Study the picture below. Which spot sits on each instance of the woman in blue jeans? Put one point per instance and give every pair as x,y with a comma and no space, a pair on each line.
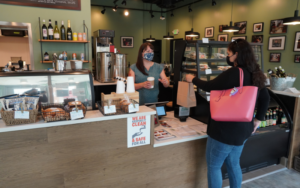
226,140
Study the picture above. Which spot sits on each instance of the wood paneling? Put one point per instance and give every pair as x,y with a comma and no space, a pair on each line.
96,155
295,135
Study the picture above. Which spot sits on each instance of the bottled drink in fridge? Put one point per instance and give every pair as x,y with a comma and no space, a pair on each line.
69,31
267,120
62,31
56,32
264,122
283,119
44,30
274,118
50,31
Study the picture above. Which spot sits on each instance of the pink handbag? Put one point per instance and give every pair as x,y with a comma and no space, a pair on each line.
234,105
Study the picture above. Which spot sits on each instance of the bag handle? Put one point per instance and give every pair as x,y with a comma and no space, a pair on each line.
241,77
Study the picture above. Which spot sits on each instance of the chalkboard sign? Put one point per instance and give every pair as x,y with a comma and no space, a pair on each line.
60,4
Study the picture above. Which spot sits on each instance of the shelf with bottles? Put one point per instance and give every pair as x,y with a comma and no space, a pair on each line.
71,41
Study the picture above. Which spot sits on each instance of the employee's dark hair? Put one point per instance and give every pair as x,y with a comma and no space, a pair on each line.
245,58
139,62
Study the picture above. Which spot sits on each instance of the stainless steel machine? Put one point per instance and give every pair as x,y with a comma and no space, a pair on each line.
105,67
120,69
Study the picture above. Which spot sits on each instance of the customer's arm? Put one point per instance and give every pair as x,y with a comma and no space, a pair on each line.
163,79
225,80
262,104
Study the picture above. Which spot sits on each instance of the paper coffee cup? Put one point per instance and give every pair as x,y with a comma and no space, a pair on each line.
130,85
151,80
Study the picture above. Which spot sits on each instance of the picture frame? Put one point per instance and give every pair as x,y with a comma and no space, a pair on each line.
275,57
297,42
297,58
277,43
221,28
277,27
258,27
257,38
223,37
127,42
235,38
209,32
243,27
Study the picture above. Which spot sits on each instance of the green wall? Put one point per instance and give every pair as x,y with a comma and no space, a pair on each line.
15,13
252,11
137,24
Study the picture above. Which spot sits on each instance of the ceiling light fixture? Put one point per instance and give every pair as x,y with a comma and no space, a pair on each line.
213,3
168,37
292,20
103,11
126,13
190,9
150,39
124,2
161,16
191,33
115,8
151,13
231,28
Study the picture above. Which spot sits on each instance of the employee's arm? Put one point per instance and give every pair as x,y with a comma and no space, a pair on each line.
163,79
138,86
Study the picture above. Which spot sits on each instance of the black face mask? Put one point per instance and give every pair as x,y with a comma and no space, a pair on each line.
229,62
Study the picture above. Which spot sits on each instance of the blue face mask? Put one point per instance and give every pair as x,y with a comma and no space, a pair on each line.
148,56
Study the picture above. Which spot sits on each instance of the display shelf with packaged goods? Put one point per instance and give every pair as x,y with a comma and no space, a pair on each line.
268,144
85,43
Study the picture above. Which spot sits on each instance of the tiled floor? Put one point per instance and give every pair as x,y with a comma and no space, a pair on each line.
276,176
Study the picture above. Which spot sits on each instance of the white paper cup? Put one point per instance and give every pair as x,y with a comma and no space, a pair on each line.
151,80
130,85
120,87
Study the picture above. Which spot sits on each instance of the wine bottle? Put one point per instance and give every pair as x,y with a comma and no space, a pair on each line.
44,29
50,31
283,73
271,73
267,120
274,118
56,32
69,31
283,119
62,31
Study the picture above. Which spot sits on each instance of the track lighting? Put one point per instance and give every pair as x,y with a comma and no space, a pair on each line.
172,15
124,2
190,9
103,11
213,3
115,8
126,13
162,18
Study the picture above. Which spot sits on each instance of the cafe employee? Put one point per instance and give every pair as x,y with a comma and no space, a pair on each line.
144,71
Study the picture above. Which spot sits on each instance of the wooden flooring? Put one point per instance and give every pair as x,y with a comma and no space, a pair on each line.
95,155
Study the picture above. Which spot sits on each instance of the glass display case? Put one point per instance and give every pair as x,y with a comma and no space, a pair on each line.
51,87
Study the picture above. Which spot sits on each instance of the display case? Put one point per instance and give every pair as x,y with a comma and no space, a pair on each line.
51,87
206,61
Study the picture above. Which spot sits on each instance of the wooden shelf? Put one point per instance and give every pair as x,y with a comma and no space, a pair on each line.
66,41
66,60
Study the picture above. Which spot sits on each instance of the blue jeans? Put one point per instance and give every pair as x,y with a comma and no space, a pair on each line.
218,152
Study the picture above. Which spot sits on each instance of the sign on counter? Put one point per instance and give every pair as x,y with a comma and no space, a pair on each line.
20,115
76,115
132,108
110,110
138,131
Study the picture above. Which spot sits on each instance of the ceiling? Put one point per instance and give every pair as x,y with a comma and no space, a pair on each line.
163,3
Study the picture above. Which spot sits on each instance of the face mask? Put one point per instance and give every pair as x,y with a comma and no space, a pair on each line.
229,62
148,56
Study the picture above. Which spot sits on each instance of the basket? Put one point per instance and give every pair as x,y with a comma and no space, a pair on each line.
278,84
120,109
54,116
297,163
9,117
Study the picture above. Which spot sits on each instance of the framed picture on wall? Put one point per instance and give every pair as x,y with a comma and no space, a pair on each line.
209,32
241,37
297,59
242,26
277,27
223,37
221,28
258,27
257,38
126,42
297,42
275,57
276,43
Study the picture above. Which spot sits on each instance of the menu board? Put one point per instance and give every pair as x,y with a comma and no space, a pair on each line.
60,4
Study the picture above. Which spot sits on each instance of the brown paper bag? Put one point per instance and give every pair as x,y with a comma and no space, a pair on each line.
186,95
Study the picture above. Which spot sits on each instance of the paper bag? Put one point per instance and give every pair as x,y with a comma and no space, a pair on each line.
186,95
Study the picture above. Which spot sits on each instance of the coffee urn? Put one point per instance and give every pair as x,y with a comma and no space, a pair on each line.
120,69
105,67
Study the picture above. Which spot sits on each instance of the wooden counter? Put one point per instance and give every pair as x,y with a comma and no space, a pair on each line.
94,153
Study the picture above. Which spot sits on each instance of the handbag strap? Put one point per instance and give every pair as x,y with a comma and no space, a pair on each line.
241,77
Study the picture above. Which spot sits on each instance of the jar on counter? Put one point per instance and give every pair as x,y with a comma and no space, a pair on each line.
46,56
74,36
79,36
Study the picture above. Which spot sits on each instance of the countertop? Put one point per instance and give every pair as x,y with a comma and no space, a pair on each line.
286,93
175,123
91,116
96,83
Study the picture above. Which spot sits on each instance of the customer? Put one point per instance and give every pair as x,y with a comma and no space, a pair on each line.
145,68
226,139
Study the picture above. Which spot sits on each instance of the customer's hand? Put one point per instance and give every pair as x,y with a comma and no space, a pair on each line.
164,81
189,77
146,85
256,124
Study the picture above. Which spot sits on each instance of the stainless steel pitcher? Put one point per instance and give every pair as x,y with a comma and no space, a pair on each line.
120,69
